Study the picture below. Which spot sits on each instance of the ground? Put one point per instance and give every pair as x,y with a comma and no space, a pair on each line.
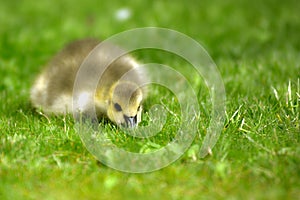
255,45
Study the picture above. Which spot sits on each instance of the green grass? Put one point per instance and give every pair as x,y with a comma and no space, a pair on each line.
256,47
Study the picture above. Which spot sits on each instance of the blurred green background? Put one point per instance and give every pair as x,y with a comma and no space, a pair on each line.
256,47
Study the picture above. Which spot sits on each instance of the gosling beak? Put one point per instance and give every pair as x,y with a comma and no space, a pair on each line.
130,121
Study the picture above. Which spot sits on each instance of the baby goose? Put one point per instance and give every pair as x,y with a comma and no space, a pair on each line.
118,99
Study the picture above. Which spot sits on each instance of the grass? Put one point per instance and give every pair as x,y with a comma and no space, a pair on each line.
256,47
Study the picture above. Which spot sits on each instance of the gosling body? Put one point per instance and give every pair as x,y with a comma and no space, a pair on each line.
116,97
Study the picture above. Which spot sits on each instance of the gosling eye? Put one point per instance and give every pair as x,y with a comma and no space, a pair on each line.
117,107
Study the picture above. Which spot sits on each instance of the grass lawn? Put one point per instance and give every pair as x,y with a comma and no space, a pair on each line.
256,46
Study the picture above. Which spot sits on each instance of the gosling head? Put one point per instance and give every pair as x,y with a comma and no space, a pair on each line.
125,104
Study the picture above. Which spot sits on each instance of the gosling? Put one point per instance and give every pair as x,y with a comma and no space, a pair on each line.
117,98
